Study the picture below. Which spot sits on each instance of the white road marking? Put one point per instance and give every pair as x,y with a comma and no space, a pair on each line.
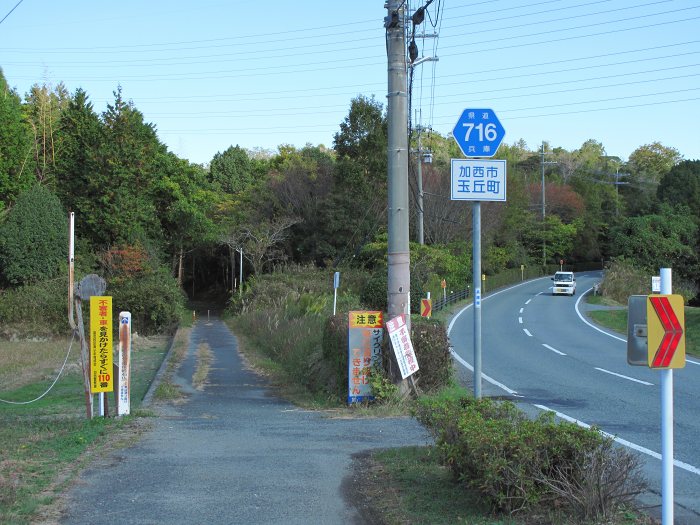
520,320
624,377
521,310
467,365
690,361
527,332
553,349
487,378
592,325
624,442
528,301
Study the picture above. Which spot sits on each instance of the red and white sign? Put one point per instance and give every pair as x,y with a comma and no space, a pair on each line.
401,343
666,338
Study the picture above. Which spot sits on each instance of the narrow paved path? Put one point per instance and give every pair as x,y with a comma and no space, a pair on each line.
233,453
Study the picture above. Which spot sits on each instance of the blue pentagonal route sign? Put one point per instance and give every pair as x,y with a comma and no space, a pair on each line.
478,132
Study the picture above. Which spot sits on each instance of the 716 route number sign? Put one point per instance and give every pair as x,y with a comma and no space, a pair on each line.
478,132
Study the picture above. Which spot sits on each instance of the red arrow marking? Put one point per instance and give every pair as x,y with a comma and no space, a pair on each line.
673,331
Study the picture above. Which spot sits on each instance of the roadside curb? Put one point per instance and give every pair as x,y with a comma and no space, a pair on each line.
148,398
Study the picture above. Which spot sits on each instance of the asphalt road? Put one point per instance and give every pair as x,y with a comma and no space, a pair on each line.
233,453
543,352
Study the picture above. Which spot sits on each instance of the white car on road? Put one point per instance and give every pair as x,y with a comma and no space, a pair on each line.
564,283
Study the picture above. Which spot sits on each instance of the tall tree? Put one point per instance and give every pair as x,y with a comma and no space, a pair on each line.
363,138
130,160
645,168
16,158
44,105
34,238
185,203
77,167
681,185
233,170
301,182
664,239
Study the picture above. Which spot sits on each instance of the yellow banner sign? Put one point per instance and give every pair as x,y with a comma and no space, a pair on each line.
101,379
366,319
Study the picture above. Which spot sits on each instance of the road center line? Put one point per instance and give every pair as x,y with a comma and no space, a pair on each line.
528,301
521,310
527,332
624,442
553,349
624,377
520,320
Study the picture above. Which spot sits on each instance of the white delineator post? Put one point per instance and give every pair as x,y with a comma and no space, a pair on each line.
124,394
667,500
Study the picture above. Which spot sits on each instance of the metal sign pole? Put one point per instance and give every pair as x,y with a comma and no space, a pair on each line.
666,425
476,278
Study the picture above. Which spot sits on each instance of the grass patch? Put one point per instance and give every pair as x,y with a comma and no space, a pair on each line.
167,390
617,320
613,319
44,443
254,353
601,300
203,365
409,485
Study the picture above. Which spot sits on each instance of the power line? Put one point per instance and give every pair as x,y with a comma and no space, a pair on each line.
8,14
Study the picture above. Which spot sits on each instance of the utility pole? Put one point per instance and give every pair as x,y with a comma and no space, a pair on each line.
419,176
544,237
399,279
417,20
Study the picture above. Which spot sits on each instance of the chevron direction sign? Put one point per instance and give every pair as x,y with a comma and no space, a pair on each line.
666,335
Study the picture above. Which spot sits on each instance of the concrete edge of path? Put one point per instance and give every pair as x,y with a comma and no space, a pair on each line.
148,398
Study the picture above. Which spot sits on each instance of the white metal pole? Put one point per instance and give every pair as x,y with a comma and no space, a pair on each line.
476,278
240,273
667,500
71,268
124,394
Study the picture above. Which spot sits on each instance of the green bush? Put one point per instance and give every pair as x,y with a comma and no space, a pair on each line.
432,349
34,238
155,300
288,284
39,309
622,279
374,293
519,464
332,373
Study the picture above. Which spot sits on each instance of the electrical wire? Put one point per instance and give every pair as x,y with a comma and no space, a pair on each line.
10,12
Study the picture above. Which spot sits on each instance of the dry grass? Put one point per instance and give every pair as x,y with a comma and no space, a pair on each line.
25,362
204,360
29,361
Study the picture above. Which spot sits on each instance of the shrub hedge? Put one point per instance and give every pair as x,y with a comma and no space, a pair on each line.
519,464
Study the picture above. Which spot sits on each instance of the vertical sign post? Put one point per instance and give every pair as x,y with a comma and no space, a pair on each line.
124,394
666,424
336,285
478,133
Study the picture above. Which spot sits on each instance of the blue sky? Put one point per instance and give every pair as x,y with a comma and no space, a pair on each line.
212,74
